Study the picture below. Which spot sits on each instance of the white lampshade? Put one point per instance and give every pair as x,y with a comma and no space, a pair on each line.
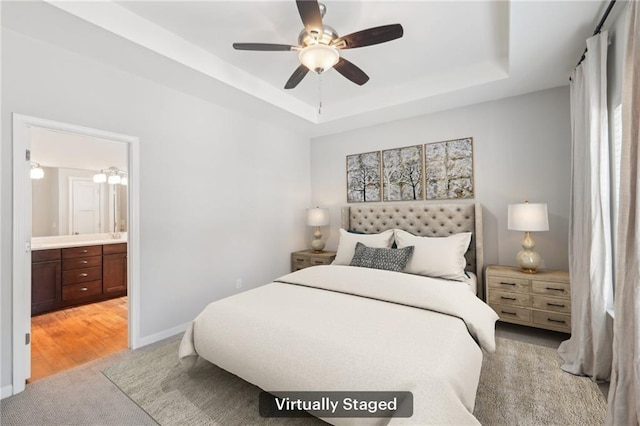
317,217
124,181
528,217
319,57
113,179
36,172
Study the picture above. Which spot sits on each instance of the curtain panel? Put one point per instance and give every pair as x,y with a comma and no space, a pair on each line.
589,350
624,391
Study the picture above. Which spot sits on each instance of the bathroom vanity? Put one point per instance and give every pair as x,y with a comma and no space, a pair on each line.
75,272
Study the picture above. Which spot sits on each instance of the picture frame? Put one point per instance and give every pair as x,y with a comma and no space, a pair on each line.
363,177
403,173
448,169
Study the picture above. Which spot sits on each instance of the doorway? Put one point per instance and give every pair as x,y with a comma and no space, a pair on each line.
24,128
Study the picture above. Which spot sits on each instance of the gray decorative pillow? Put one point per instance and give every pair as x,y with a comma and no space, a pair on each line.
381,258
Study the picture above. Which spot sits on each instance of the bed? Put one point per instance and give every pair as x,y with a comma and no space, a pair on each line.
352,328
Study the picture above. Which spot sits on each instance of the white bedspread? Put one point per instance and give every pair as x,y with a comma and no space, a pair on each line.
342,328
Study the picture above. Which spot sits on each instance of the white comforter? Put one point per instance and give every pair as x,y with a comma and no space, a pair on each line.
342,328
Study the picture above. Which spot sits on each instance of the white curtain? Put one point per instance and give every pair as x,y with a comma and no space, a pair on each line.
624,391
589,350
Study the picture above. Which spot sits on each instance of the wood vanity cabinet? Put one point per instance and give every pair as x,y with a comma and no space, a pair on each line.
114,269
77,275
81,274
46,280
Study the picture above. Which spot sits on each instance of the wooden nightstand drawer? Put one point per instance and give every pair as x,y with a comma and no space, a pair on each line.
299,262
551,288
512,313
555,304
305,258
552,320
540,300
510,298
509,283
320,261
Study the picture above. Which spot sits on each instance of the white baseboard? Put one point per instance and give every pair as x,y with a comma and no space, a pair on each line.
144,341
6,391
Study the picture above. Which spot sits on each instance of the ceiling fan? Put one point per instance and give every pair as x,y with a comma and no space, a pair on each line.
319,45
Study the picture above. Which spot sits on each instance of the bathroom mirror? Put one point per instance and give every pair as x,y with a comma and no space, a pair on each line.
65,198
66,201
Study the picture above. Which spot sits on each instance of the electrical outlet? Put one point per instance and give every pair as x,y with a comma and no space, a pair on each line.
239,283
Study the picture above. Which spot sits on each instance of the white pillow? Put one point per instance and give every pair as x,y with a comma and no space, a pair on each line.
348,241
439,257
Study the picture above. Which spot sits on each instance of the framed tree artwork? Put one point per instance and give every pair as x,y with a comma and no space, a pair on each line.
363,177
449,169
402,174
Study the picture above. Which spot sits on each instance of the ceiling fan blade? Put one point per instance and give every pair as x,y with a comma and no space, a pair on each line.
296,77
369,37
351,72
265,47
310,14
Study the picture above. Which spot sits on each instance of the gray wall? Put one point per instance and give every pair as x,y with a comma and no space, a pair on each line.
44,197
522,152
222,195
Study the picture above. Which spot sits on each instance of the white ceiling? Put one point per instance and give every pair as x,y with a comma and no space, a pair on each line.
452,54
72,151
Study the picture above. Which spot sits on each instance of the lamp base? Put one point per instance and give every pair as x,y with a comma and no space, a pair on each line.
527,258
317,244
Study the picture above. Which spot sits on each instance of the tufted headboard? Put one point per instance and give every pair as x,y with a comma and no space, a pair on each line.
429,220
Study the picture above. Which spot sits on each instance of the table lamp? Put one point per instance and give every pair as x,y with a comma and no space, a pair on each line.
317,217
528,217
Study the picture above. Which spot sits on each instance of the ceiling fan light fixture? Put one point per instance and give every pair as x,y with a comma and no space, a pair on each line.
319,57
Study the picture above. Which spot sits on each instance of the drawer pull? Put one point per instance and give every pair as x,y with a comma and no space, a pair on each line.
555,320
508,298
85,251
318,262
84,289
298,259
555,289
508,313
84,274
557,305
504,283
85,261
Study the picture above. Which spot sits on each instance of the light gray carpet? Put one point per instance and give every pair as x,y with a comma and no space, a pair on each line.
80,396
521,384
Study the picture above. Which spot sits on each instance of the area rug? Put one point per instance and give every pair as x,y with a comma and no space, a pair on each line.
520,384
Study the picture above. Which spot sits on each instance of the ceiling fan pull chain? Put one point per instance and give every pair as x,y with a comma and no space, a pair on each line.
319,94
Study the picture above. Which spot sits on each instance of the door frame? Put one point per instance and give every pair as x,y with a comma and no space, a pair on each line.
21,315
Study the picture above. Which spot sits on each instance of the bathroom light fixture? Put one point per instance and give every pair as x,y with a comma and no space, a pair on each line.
317,217
528,218
112,176
100,177
36,172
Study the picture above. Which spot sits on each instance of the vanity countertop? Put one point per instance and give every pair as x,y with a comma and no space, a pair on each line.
65,241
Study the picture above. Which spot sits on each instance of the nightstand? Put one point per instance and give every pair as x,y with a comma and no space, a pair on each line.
541,300
305,258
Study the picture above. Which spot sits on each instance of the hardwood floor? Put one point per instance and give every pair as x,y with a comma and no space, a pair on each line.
65,339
